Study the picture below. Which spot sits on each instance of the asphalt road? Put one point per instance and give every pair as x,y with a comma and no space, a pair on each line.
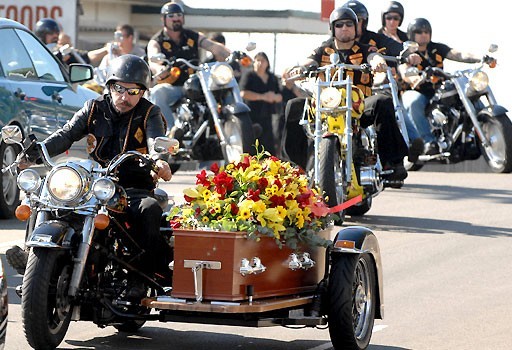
446,241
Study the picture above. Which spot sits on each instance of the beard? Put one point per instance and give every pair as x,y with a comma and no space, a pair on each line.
177,27
347,38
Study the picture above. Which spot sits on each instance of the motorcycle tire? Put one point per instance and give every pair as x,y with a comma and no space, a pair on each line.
331,176
45,306
352,302
361,208
409,166
498,130
9,191
239,136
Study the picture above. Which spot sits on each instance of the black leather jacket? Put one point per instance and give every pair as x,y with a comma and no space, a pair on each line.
113,133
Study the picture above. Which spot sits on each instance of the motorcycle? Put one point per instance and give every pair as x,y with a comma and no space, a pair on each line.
211,121
466,119
80,262
80,266
345,164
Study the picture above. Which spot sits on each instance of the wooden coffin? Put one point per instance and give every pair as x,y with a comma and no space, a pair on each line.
224,251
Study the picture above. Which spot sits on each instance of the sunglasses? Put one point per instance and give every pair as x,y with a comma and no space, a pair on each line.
131,91
172,15
393,18
340,24
421,32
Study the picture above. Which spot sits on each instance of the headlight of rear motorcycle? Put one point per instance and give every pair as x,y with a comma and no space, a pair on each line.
479,81
222,73
29,180
330,97
65,184
103,189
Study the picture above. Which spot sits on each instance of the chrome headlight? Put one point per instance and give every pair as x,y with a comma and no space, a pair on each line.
330,97
29,180
104,189
222,73
479,81
65,184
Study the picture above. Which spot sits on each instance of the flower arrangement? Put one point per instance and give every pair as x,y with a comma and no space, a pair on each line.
261,195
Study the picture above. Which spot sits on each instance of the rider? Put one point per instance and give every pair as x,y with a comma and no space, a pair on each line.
416,98
392,17
378,109
119,121
174,41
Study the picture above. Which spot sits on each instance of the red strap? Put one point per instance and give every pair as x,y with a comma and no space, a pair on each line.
346,204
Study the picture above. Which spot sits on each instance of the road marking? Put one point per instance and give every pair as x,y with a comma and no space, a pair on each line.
379,328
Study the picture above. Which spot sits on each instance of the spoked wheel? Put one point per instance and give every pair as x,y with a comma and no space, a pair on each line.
332,181
10,193
498,130
45,305
352,301
239,136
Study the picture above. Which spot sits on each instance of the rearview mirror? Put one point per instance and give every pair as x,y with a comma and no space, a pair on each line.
159,57
80,72
12,134
165,144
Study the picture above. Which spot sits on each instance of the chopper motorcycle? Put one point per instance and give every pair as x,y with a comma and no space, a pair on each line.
81,256
465,118
211,121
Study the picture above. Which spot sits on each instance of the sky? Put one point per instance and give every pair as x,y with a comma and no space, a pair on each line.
469,26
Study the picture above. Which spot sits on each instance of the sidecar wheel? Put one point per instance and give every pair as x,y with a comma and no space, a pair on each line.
9,191
352,301
45,306
130,326
239,136
331,177
498,130
362,208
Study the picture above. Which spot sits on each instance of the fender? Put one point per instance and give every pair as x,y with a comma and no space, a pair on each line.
236,108
359,240
51,234
494,111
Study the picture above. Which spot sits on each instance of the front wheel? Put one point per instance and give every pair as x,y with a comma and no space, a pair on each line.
498,130
9,191
352,301
331,175
45,306
239,136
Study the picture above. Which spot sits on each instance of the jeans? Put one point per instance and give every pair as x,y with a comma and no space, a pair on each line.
415,103
164,96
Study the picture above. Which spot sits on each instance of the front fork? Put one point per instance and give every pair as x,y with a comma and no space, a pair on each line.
82,254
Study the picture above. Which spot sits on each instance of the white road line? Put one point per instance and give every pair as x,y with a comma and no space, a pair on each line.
379,327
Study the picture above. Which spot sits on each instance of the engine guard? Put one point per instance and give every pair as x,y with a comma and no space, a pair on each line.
236,108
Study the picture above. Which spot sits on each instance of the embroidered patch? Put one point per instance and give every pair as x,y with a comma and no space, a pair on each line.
139,135
91,143
166,45
329,50
356,58
190,42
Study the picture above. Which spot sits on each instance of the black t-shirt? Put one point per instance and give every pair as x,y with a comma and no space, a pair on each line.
252,82
433,56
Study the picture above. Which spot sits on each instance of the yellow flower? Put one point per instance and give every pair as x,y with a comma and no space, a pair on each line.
300,220
259,207
244,214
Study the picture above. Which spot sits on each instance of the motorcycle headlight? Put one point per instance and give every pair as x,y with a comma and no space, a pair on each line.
479,81
330,97
29,180
65,184
222,73
103,189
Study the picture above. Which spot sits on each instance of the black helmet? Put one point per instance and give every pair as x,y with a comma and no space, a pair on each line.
417,25
46,26
393,6
171,7
360,10
342,13
129,69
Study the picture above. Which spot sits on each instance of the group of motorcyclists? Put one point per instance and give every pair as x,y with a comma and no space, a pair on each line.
122,119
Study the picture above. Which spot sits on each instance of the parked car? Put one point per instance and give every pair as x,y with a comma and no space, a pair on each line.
37,93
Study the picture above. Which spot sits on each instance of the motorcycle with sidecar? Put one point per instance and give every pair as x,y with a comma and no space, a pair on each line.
80,265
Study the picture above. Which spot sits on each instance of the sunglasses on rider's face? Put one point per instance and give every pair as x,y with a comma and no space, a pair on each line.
422,32
172,15
392,18
340,24
131,91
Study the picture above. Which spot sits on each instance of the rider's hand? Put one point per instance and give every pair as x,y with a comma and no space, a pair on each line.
164,171
413,59
24,163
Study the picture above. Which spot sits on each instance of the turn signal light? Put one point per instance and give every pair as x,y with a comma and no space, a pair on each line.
345,244
101,221
175,72
22,212
492,64
246,61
